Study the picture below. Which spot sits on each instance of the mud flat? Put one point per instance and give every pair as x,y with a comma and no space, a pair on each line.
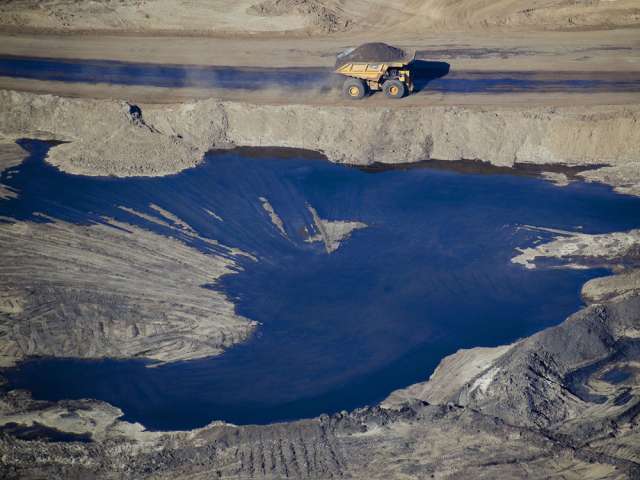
11,154
107,288
124,292
108,137
584,250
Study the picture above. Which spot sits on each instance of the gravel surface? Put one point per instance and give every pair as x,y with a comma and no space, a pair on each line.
371,52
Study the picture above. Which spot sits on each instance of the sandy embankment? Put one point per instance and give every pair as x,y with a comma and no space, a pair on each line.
312,17
105,139
467,375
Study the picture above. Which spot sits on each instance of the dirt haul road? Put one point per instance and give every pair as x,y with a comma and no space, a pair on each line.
429,77
557,68
502,97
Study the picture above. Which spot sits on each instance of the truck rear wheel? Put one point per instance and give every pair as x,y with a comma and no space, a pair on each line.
394,88
354,88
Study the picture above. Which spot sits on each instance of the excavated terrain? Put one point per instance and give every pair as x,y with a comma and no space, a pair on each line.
169,138
562,403
537,407
123,292
313,16
507,412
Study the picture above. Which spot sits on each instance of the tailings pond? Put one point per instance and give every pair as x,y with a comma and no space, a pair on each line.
430,274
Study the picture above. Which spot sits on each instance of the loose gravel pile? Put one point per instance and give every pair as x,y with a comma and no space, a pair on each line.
371,52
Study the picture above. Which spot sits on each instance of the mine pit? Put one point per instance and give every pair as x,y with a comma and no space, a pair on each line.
319,239
321,257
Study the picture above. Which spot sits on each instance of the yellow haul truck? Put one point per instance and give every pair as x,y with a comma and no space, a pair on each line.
393,78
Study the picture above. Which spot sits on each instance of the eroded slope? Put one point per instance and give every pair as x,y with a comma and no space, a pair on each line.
105,138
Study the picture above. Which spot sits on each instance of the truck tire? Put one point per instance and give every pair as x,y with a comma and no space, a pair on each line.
354,88
394,89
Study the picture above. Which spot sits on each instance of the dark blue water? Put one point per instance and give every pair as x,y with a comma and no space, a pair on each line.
431,274
618,375
428,75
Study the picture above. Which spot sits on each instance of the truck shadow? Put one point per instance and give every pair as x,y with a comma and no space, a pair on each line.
425,71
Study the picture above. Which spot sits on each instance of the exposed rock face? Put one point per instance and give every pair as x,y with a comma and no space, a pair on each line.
363,135
452,374
110,290
106,140
416,441
526,386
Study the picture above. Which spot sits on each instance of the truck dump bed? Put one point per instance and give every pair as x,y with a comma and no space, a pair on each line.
370,70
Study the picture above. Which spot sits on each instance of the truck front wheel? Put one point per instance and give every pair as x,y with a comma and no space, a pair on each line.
394,88
354,88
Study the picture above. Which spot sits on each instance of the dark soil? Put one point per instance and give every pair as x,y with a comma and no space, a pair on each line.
371,52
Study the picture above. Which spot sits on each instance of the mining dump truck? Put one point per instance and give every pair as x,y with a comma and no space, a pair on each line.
373,67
